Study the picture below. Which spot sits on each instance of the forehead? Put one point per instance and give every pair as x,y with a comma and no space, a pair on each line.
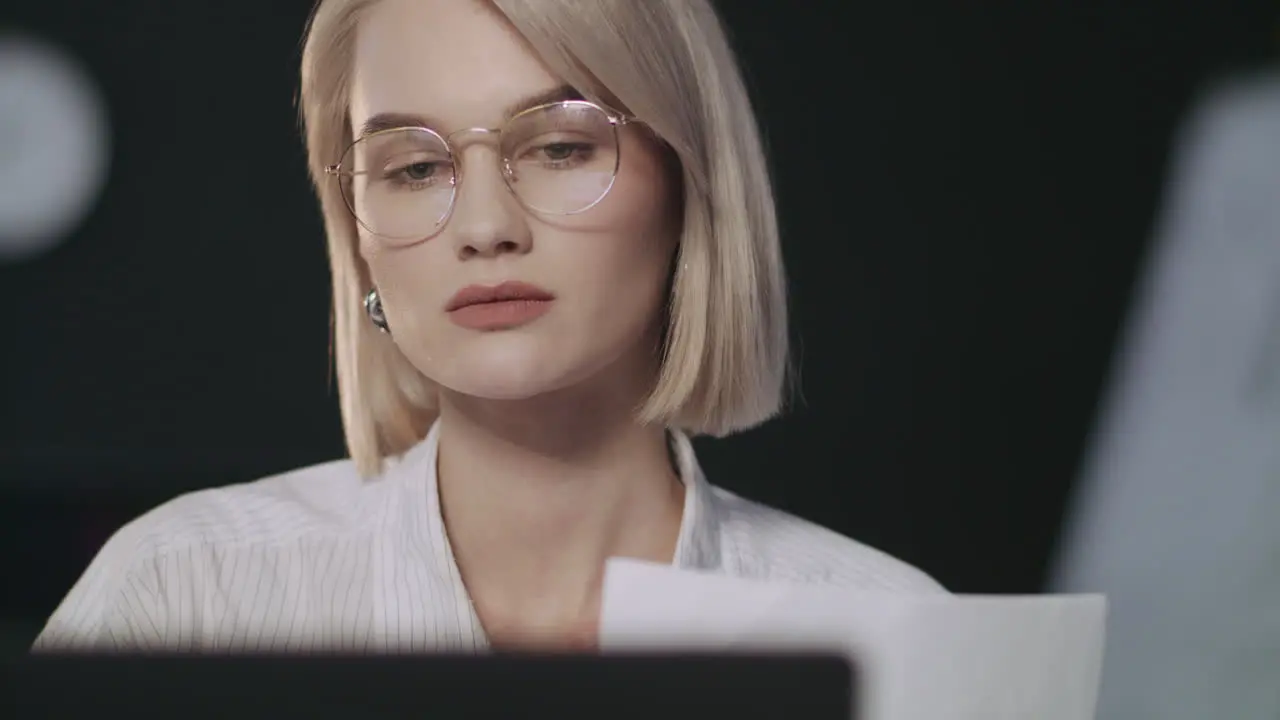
459,61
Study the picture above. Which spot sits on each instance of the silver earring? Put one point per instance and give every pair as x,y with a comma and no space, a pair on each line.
373,308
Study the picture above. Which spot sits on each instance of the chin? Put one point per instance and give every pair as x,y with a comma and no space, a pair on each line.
506,376
509,389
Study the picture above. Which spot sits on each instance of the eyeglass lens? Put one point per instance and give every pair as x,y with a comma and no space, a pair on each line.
560,159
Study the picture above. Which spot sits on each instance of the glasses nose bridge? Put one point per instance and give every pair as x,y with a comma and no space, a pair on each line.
458,140
465,137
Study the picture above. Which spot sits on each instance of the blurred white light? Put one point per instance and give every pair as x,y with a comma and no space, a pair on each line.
54,146
1176,518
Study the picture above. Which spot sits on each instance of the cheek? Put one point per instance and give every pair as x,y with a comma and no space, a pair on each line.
627,269
643,207
405,282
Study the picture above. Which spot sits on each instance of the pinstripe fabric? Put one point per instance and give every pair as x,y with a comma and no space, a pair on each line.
318,559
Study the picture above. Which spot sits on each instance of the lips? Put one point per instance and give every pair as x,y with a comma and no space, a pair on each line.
504,292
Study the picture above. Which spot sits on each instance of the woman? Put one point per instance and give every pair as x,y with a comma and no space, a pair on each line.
554,257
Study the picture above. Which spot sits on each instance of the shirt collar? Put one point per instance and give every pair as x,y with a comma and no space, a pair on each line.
697,548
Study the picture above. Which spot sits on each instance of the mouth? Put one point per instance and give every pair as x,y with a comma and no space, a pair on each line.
507,292
499,307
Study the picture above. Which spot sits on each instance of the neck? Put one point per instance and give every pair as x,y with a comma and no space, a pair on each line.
537,494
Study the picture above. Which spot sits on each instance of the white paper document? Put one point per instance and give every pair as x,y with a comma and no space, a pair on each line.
944,657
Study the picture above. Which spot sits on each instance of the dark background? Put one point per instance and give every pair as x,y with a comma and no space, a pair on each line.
966,192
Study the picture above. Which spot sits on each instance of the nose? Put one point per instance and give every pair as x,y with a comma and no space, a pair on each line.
487,219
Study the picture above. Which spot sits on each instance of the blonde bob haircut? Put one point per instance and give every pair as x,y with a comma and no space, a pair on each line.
670,64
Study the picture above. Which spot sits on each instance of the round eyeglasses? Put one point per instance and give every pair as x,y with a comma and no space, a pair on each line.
560,159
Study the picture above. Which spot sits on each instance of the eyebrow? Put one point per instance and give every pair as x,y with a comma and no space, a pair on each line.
394,120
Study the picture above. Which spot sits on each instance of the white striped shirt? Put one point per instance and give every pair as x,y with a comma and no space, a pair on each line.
321,559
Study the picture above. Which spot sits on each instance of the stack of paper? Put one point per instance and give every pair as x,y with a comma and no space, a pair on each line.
940,657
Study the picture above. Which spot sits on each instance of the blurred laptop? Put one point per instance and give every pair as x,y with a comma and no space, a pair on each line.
509,686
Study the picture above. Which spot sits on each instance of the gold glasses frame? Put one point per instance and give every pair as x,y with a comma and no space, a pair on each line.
493,135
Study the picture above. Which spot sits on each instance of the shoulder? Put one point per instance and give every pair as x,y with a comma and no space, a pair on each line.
762,542
162,553
320,498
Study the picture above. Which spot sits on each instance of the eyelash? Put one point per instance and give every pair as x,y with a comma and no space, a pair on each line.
578,153
398,178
